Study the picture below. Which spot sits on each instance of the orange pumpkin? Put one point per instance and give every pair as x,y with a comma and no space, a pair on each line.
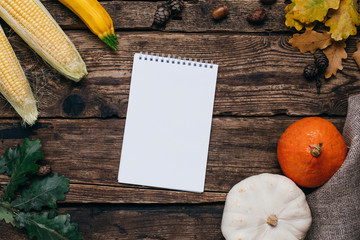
310,151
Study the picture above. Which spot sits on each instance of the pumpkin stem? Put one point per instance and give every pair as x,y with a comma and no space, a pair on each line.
272,220
316,150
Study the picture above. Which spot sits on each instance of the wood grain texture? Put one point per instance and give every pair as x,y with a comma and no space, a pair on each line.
9,232
146,222
258,75
179,222
196,16
259,83
88,152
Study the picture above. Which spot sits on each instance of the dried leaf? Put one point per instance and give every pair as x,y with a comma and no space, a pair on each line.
308,11
335,53
356,54
310,41
343,21
310,26
290,21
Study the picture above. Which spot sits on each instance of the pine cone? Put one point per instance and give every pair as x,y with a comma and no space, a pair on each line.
311,72
318,85
44,170
321,61
176,6
162,14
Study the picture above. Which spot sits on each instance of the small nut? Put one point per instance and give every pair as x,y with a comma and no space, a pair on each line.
220,12
44,170
257,16
267,2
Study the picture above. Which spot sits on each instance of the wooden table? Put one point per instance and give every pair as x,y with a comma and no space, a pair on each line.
260,92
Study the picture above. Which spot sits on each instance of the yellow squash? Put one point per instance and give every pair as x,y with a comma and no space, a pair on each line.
96,19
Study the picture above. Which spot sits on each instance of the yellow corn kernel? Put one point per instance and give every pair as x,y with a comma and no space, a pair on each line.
13,83
34,24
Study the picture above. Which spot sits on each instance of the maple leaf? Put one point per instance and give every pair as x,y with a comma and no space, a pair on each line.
308,11
289,18
356,54
43,192
20,162
41,226
310,41
343,21
335,54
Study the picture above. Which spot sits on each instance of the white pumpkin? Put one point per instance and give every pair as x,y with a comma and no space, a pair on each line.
266,207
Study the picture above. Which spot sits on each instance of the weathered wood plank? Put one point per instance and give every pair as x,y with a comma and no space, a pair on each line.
148,222
83,193
88,152
129,222
86,193
196,16
258,76
9,232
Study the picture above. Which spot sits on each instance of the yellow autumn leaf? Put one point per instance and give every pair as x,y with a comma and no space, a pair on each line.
310,41
289,18
343,21
356,55
308,11
335,54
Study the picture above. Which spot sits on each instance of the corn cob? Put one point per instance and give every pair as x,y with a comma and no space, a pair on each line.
96,19
34,24
13,83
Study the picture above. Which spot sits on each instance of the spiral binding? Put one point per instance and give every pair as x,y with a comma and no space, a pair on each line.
173,60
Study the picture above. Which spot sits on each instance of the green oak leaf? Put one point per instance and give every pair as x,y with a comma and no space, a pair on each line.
40,226
20,162
6,215
43,192
3,167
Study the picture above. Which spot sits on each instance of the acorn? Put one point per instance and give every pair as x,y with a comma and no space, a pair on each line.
220,12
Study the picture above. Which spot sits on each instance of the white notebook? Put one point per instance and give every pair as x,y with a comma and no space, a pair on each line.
168,123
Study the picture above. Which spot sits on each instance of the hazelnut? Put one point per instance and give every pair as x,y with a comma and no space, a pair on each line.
220,12
257,16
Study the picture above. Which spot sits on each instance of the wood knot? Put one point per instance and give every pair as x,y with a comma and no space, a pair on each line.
73,105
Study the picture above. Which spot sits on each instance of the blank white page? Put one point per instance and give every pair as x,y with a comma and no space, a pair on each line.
168,123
